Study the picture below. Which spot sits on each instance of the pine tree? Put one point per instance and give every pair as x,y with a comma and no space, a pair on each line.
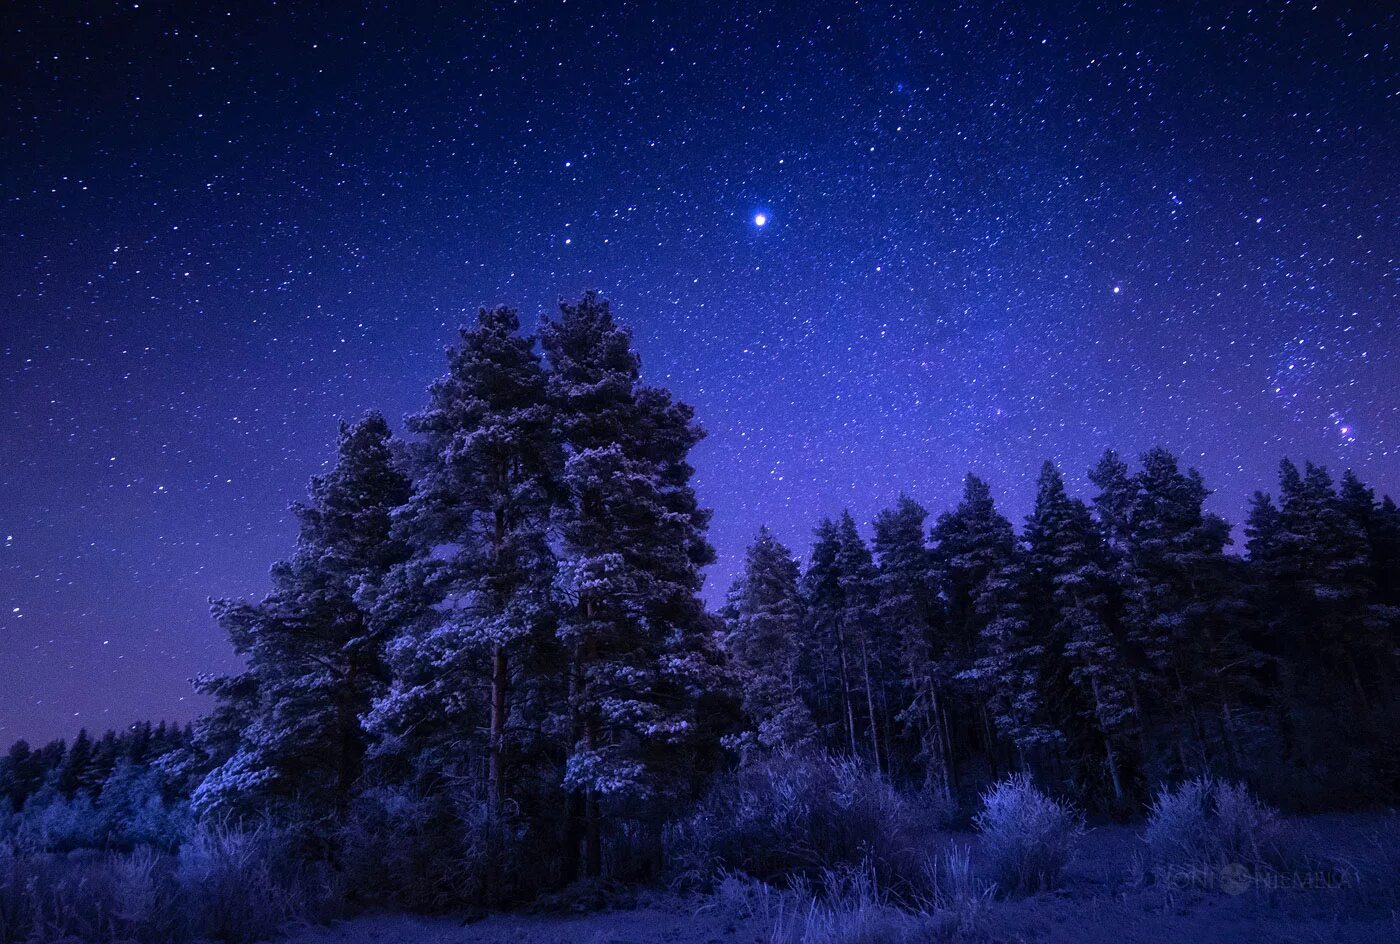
764,620
973,550
473,600
1012,663
843,651
1325,552
315,658
633,544
1070,566
1379,522
1330,633
1115,500
23,774
911,613
871,646
73,775
1185,620
824,659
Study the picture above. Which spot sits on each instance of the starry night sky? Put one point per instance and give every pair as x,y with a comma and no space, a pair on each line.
989,237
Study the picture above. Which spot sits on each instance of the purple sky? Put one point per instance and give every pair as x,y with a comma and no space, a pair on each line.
988,239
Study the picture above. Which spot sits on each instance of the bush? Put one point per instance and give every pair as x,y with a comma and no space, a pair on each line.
1027,837
422,852
955,890
86,896
850,908
225,885
798,814
131,810
407,848
1205,825
243,885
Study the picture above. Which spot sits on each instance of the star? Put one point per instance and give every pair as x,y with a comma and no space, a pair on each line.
760,219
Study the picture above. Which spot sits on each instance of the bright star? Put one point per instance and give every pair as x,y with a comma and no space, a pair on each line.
760,219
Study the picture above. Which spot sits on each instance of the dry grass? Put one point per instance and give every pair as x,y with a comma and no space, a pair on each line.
228,885
1026,837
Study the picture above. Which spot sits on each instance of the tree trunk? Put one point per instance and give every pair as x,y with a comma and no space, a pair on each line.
846,690
1108,748
575,809
870,702
574,812
593,838
499,682
945,732
1113,774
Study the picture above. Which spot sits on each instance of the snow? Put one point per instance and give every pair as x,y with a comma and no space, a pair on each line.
1100,903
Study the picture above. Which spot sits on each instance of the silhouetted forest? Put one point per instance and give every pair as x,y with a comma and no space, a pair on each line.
485,670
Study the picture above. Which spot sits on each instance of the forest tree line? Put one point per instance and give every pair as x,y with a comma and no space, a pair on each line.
490,637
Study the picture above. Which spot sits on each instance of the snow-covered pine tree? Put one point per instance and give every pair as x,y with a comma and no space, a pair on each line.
911,613
1115,500
633,545
289,727
763,625
1329,630
1014,663
973,545
824,662
475,644
871,645
1070,573
844,649
1186,623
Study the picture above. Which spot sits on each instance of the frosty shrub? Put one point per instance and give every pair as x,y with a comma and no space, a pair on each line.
54,822
1206,824
434,852
954,889
795,814
229,885
240,885
848,906
130,811
87,896
1026,836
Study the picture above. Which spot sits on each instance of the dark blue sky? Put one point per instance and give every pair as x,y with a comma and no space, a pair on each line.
992,237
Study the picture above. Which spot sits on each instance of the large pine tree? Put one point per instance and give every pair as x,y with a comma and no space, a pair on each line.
764,618
911,612
1185,620
476,645
973,550
1085,670
633,545
1314,559
290,727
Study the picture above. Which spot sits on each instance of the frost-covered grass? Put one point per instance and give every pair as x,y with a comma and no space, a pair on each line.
798,815
228,885
240,886
1026,836
1097,902
1207,824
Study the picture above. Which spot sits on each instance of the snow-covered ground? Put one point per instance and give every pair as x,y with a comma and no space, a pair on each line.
673,920
1341,895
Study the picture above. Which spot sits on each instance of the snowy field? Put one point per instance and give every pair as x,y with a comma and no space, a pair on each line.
1345,893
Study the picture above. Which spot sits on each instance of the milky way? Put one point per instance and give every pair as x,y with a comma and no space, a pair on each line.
876,248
